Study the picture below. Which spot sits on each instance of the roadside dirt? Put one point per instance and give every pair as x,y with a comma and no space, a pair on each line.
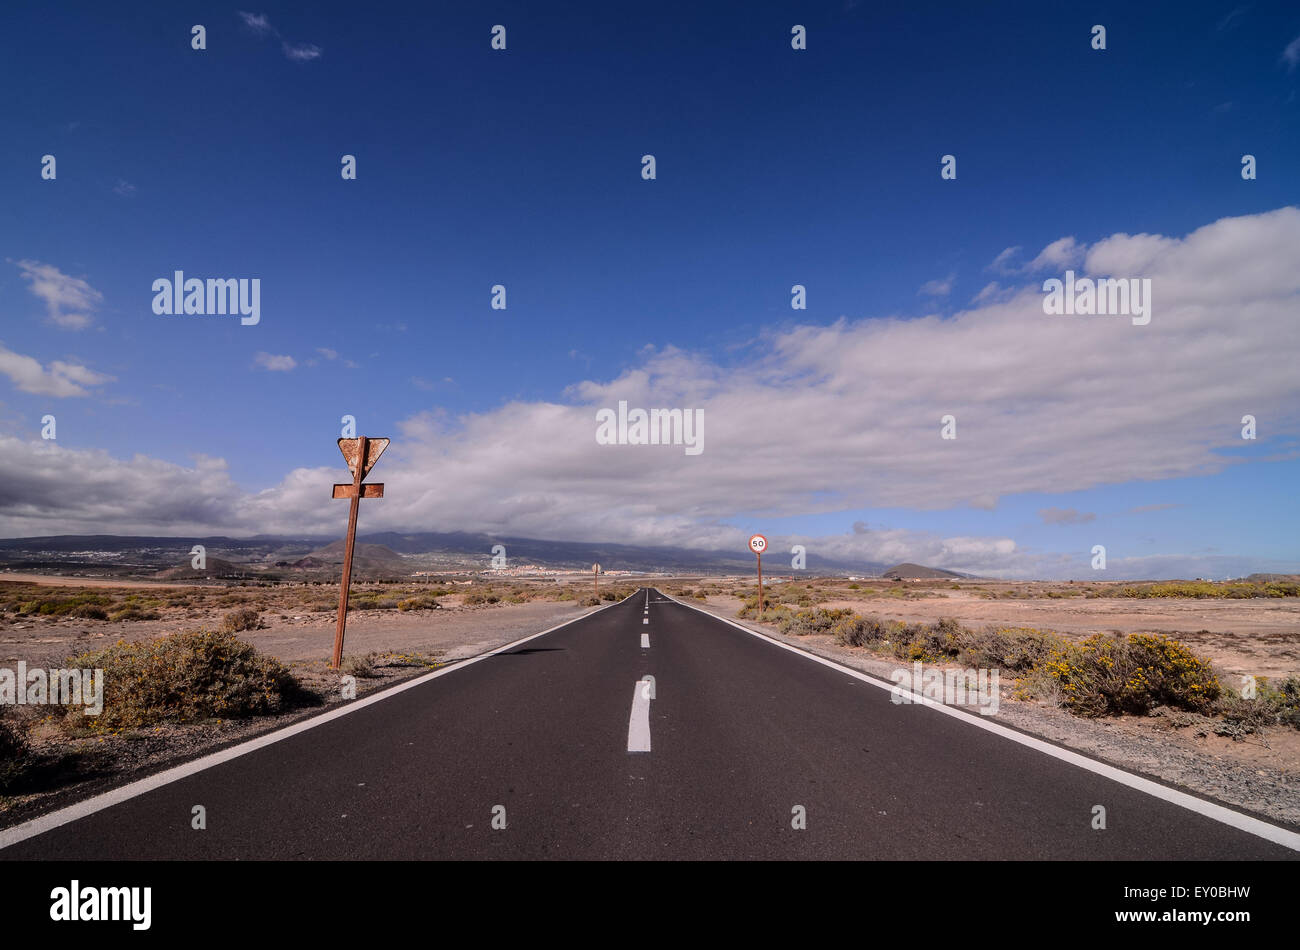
1244,637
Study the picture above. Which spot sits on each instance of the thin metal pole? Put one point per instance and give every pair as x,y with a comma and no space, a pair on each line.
760,586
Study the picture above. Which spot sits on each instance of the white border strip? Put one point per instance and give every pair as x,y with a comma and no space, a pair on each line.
1254,826
78,810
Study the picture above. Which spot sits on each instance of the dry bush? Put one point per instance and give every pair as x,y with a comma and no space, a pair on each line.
14,754
238,621
184,677
421,602
362,667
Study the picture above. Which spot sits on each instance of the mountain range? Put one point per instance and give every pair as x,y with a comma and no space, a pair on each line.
381,554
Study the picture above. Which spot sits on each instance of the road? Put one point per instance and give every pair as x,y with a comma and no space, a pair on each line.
740,732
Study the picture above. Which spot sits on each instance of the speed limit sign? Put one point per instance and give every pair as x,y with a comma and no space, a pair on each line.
758,544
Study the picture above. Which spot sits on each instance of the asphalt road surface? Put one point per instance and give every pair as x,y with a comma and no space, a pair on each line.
740,734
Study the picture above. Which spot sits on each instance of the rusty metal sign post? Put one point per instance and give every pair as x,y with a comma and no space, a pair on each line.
595,579
758,544
361,455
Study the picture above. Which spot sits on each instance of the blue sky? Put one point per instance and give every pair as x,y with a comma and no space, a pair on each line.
522,167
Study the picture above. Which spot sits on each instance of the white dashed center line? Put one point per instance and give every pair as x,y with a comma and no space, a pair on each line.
638,725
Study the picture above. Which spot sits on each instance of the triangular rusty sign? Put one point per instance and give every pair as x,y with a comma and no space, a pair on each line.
351,448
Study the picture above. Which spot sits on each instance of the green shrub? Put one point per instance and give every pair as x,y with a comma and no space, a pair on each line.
817,620
858,631
750,607
372,601
62,606
1018,649
89,612
135,613
1232,590
186,676
420,602
1271,705
930,643
793,594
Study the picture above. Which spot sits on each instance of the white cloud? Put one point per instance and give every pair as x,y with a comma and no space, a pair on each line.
938,288
69,301
1061,253
1291,55
301,52
124,188
991,291
273,362
1127,253
326,352
60,380
258,23
1002,264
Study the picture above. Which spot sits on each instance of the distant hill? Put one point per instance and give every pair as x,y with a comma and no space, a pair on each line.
382,554
366,558
214,568
580,555
908,571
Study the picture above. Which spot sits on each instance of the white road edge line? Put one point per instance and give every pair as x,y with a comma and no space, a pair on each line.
82,809
1219,813
638,724
645,641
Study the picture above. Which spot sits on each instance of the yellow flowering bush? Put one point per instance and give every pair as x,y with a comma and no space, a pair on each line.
1107,675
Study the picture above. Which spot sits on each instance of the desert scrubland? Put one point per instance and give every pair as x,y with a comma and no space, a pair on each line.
1214,706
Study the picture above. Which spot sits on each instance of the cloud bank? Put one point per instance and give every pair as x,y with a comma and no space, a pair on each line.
822,419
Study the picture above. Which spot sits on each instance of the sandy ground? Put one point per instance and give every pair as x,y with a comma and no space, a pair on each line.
57,580
1260,773
450,633
1250,637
